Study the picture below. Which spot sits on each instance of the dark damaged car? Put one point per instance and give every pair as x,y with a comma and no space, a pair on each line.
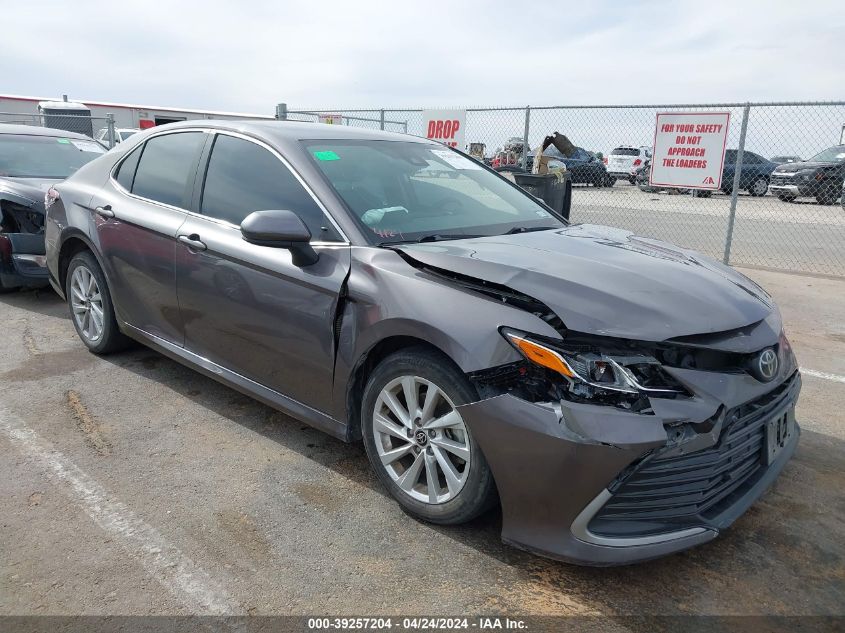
621,398
32,159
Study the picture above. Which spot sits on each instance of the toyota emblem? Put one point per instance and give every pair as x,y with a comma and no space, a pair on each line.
767,365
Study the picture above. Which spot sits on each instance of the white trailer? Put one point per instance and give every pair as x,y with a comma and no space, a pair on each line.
38,110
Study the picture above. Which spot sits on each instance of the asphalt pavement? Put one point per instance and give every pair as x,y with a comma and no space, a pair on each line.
132,485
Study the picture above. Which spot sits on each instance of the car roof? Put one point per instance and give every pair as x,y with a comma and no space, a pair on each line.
288,131
33,130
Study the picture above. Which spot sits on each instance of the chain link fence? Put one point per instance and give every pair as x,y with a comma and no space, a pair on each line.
745,226
100,128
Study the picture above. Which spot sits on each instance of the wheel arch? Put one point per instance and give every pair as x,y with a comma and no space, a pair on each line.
73,243
369,360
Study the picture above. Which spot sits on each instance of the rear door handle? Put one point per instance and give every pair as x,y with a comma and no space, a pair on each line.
104,211
193,242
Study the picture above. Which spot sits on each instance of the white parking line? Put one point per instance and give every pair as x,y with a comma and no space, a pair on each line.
166,563
822,374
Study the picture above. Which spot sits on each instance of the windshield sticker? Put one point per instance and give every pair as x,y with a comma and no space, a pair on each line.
88,146
63,141
326,155
455,160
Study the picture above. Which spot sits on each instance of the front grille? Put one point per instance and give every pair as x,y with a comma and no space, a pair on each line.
780,180
675,492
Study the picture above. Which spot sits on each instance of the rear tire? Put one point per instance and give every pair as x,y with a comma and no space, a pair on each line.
90,304
759,187
406,449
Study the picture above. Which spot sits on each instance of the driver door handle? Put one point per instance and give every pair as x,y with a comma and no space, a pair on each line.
104,211
193,242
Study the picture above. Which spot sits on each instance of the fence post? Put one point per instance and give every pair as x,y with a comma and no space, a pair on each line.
405,125
525,138
281,111
381,118
110,129
735,191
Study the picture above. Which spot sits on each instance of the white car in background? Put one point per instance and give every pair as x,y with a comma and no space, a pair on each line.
624,160
120,134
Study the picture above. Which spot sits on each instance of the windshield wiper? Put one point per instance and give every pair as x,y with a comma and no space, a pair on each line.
528,229
434,237
439,237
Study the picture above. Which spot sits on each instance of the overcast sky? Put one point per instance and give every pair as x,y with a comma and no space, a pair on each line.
247,56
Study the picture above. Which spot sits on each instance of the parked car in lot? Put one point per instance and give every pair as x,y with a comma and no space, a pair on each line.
621,397
819,177
120,134
780,160
623,160
584,167
32,159
754,178
755,174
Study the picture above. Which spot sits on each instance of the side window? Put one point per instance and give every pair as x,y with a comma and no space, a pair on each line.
730,156
166,168
126,172
751,158
243,177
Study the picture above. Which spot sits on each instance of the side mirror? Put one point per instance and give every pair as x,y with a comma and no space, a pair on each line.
280,229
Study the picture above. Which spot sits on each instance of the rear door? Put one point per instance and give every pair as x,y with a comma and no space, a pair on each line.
248,308
137,216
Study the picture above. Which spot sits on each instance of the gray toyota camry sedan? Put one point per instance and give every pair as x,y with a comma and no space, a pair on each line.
620,397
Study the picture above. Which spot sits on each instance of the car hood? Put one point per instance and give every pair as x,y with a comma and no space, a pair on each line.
791,168
607,281
31,189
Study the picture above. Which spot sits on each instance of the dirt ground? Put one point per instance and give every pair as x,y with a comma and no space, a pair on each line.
132,485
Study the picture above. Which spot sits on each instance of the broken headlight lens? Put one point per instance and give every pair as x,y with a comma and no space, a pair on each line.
589,369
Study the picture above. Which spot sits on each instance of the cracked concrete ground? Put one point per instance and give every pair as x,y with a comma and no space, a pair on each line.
132,485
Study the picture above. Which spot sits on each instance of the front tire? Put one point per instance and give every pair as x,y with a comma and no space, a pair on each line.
91,308
4,289
417,441
827,196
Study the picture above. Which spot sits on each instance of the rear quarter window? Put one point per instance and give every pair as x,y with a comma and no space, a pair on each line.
125,173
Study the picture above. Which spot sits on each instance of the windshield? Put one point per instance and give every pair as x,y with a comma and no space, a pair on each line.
27,156
125,134
404,191
830,155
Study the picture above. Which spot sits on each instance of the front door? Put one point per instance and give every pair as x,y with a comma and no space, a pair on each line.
248,308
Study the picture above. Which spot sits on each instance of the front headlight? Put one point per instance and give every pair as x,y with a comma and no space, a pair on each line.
588,369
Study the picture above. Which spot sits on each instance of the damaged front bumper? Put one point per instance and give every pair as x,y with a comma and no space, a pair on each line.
598,485
22,261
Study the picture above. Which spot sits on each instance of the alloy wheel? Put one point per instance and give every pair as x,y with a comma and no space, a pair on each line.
87,304
421,439
760,187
